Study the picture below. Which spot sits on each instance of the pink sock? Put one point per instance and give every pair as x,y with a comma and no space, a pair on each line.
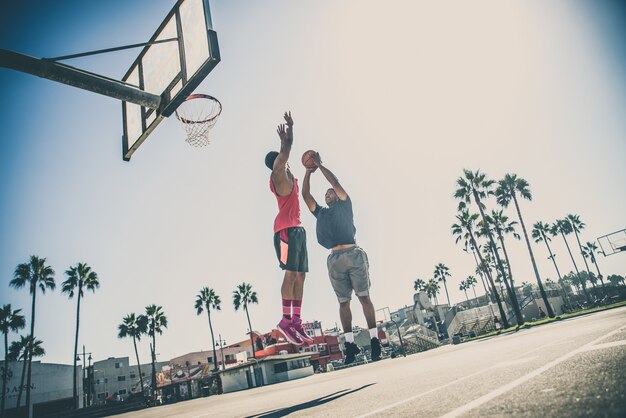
287,308
296,307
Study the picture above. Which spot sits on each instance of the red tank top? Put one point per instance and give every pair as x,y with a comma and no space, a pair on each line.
288,208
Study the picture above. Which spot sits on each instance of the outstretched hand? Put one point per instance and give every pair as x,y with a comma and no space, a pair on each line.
282,132
288,118
317,160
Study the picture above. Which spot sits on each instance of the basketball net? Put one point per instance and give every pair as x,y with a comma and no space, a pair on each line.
198,113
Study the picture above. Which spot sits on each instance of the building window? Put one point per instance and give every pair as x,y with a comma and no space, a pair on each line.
121,378
230,357
133,375
313,348
122,391
280,367
209,359
118,365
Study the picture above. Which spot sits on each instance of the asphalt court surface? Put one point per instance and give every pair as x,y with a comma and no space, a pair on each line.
572,368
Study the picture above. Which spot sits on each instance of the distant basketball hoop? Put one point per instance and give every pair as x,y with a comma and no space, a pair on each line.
198,114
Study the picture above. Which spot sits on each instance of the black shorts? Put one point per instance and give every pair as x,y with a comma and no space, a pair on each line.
290,246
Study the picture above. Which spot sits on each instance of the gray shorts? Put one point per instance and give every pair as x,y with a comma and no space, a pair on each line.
348,270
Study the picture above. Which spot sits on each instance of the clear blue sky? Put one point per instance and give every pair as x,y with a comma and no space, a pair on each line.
398,97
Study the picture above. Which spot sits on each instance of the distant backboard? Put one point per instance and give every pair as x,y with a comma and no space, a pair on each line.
183,51
613,243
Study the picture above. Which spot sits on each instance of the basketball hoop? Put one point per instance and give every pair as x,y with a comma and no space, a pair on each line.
198,113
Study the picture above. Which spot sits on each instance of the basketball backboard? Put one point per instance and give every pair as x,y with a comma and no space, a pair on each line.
613,243
181,53
178,57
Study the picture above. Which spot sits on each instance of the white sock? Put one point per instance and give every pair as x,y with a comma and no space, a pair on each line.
373,332
349,337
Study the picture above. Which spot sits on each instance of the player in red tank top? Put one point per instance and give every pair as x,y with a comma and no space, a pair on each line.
289,236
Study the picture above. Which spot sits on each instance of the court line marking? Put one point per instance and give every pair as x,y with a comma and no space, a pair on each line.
606,345
495,393
495,366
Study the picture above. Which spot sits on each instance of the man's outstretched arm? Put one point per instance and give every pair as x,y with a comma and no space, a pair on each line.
332,179
306,190
285,133
282,182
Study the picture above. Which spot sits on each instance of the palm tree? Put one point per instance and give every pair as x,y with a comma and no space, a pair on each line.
471,281
207,299
134,326
79,277
508,189
563,227
540,233
36,275
243,295
466,227
615,279
157,321
432,289
418,285
501,226
475,186
464,286
577,226
589,250
440,273
10,321
24,349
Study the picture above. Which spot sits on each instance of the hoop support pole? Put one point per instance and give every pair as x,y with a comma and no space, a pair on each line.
76,77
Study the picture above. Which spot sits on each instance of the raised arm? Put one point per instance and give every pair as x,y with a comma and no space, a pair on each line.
306,190
332,179
282,182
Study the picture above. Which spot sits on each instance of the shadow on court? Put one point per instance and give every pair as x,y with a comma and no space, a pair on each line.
309,404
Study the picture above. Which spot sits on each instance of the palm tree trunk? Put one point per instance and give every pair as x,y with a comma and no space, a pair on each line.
482,279
153,380
138,367
506,258
445,286
474,290
466,299
510,291
4,372
212,339
544,296
512,297
593,260
503,317
576,268
74,389
245,306
580,247
558,273
19,394
220,389
30,350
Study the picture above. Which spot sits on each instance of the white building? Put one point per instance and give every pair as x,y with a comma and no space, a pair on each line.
51,386
115,378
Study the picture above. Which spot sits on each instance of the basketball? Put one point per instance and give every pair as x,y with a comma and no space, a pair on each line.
307,159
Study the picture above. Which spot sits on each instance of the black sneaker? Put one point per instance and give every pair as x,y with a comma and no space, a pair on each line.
351,351
375,344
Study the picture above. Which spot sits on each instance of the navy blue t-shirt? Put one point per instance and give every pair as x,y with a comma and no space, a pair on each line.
335,224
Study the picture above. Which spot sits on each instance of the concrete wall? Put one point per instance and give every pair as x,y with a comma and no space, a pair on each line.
234,380
50,382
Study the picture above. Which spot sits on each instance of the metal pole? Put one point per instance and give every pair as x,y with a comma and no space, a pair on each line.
76,77
399,335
